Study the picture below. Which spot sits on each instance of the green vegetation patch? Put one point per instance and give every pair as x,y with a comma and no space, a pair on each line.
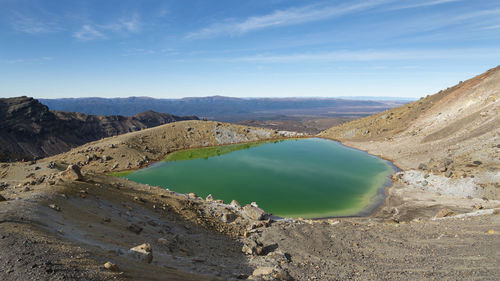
121,174
207,152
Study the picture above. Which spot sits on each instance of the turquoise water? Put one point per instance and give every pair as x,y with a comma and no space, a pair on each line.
291,178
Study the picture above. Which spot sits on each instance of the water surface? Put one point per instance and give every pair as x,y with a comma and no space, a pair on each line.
291,178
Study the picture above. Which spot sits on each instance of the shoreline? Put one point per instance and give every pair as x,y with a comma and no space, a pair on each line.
374,203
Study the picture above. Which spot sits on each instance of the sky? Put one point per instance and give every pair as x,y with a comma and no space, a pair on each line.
258,48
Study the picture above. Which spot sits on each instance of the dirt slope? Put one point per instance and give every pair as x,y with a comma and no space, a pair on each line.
447,132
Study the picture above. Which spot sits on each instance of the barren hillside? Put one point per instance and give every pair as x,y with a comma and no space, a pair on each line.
454,133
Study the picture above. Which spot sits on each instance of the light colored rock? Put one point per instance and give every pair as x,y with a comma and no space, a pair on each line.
72,173
253,212
209,197
265,270
444,213
143,252
55,207
235,204
111,266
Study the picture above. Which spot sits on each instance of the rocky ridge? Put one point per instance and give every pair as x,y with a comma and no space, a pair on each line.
30,130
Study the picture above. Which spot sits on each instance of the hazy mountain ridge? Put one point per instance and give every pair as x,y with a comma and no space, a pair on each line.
219,107
29,129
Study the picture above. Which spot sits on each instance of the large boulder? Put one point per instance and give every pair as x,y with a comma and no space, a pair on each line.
252,211
72,173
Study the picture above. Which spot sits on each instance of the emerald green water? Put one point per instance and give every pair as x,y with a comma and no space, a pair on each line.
291,178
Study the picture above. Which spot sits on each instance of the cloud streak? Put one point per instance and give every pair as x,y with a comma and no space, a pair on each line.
124,26
287,17
28,60
369,55
421,4
26,24
300,15
88,33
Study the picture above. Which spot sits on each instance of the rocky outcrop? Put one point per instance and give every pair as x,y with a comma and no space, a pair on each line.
72,173
30,130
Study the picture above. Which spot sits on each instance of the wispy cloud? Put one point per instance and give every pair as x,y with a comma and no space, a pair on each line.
27,60
122,26
88,33
420,4
31,25
287,17
496,26
369,55
147,51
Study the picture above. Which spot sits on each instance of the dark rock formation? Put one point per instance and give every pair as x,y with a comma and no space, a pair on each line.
28,129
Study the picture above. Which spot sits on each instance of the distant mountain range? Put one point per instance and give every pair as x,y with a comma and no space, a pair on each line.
220,107
29,129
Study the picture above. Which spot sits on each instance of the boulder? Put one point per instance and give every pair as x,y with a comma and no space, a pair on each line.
111,266
235,204
209,197
444,213
422,166
143,252
193,195
253,212
72,173
252,247
2,198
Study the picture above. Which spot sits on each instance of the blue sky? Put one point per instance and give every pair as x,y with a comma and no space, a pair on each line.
170,49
